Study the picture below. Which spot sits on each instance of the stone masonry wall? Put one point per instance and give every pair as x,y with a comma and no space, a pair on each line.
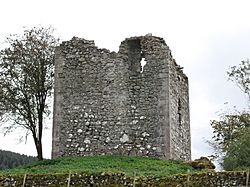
179,115
107,103
212,179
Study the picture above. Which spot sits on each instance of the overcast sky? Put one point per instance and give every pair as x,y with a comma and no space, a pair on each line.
206,38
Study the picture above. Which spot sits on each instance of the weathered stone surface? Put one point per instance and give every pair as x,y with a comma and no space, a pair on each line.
105,103
208,179
202,163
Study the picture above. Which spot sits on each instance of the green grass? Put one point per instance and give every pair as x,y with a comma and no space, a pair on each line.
131,166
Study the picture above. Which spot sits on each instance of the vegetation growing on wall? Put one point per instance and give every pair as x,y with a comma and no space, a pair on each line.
208,179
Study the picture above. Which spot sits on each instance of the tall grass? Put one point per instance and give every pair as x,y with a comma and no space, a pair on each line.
131,166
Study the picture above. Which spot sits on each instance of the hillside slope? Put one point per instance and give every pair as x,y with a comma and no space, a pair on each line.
10,159
130,166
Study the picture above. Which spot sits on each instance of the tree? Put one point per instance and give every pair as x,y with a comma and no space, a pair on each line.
10,159
26,79
231,131
237,156
241,76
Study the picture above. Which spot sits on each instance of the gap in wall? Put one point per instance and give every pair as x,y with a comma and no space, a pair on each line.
143,63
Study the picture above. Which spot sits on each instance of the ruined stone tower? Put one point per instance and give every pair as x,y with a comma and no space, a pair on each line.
108,103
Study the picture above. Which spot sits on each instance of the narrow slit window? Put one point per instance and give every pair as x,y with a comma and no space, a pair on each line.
179,112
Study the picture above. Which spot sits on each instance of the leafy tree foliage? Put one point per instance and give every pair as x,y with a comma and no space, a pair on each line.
229,128
26,79
238,153
241,76
10,159
232,130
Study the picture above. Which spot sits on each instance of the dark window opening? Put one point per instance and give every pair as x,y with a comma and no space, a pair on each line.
136,56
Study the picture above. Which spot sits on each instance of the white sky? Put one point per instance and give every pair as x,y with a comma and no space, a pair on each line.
205,36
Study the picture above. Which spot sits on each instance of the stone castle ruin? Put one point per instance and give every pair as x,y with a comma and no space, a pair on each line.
111,103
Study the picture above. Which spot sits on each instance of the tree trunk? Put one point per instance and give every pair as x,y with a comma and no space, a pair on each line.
40,131
39,151
40,110
38,145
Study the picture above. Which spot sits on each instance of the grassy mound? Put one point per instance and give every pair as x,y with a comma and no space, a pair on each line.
131,166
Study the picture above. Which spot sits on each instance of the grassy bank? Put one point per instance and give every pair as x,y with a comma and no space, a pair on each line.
131,166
